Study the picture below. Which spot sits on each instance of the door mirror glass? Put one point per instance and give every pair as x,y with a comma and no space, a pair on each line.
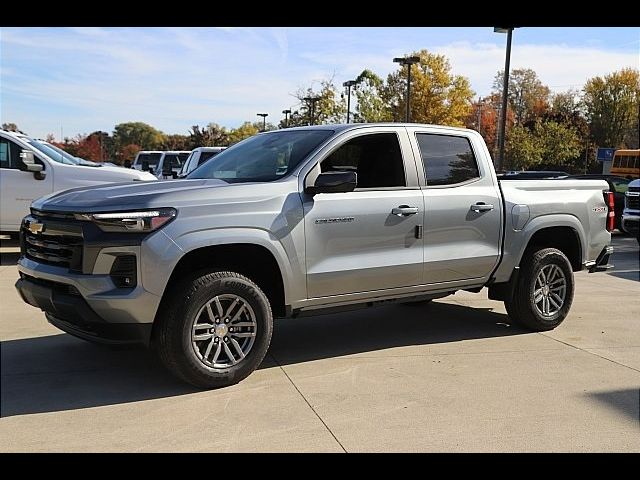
334,182
29,162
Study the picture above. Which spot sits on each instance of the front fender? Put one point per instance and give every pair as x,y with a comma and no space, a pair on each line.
290,266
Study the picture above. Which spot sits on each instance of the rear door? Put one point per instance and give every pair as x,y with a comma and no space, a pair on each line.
462,230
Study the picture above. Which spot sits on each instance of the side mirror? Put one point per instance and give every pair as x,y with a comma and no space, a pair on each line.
127,164
334,182
29,165
145,165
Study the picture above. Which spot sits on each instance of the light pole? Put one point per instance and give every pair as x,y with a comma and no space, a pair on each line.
505,94
312,101
349,84
264,120
286,117
408,61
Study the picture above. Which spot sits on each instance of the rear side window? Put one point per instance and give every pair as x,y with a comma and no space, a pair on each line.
447,159
10,155
152,158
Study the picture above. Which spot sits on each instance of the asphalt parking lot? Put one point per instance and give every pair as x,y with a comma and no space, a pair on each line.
452,376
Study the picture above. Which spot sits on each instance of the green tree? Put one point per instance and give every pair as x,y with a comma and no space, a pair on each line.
330,108
371,106
548,144
247,129
611,104
528,97
437,95
137,133
213,135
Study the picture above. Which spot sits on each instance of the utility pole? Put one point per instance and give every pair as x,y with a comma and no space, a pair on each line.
312,101
349,84
480,115
286,117
505,95
408,61
264,120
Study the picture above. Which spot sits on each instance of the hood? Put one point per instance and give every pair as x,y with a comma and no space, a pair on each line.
121,173
141,195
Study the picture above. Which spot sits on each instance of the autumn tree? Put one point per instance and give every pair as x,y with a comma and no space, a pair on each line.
437,96
528,97
213,135
329,108
371,106
137,133
611,105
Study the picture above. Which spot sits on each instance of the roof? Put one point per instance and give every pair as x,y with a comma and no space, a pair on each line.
340,127
209,149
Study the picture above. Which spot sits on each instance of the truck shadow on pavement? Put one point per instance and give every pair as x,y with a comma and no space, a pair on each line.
60,372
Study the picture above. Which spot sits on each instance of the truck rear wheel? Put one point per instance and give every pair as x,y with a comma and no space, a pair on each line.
544,291
216,329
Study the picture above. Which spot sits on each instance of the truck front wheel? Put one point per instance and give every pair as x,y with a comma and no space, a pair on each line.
544,291
216,329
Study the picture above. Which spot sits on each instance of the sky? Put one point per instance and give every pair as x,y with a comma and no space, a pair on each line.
78,80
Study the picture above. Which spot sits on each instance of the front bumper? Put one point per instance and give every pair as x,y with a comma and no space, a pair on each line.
66,309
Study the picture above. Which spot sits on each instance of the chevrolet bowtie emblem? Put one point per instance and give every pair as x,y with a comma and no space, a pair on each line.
36,227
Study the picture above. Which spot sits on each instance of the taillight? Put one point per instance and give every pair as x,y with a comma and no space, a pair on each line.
611,207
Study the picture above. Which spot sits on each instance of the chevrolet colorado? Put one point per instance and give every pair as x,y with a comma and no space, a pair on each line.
303,221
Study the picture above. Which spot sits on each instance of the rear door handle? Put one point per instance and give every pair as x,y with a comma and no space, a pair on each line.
404,211
481,207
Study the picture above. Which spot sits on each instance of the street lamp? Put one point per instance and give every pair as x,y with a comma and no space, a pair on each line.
312,101
264,120
505,93
408,61
349,84
286,117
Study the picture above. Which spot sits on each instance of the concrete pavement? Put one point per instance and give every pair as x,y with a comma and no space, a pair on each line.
452,376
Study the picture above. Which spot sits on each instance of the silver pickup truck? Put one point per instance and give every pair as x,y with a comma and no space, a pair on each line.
303,221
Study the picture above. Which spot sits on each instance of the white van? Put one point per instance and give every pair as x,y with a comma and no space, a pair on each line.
161,164
31,168
197,157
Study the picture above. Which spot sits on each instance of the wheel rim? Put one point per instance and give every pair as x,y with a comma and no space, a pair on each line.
224,331
550,290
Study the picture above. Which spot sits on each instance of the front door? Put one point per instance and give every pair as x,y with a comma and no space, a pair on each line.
18,188
369,239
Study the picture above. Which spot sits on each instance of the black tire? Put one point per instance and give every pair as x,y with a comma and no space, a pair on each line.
172,335
522,308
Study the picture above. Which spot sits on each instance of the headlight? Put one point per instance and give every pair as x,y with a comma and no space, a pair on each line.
135,222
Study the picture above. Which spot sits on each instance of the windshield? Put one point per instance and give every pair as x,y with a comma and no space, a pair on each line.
58,155
152,158
262,158
81,161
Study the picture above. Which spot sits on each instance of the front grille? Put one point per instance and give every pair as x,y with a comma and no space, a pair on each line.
56,243
56,215
633,202
55,286
634,189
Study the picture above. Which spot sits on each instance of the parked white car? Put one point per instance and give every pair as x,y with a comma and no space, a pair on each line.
631,213
197,157
161,164
31,168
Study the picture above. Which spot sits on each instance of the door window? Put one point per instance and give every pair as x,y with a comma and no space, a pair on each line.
376,159
447,159
10,154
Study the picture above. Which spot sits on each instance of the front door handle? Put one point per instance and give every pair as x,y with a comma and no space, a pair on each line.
481,207
404,211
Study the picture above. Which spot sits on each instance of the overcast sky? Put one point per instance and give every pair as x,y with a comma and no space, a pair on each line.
87,79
